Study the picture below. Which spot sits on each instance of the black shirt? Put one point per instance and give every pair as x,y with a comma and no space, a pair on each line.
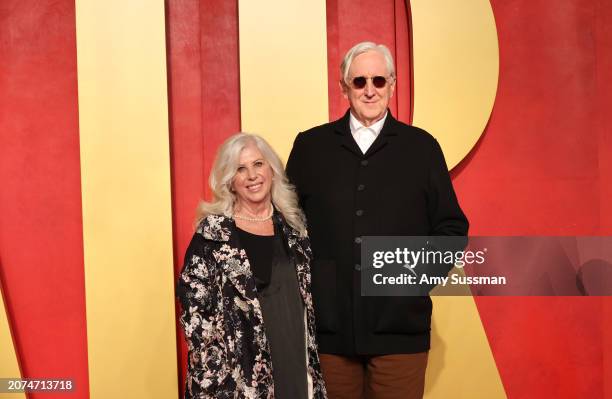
260,250
283,312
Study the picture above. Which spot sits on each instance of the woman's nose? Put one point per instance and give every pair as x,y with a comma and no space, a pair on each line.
251,173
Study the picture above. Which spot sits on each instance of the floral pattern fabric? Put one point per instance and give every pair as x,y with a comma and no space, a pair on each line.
229,354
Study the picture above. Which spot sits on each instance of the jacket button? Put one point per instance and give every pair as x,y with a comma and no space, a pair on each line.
361,187
364,162
359,212
357,267
357,240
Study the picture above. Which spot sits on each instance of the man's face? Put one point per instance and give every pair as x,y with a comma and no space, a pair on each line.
369,103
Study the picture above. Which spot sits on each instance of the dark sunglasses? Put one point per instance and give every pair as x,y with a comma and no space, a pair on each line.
359,82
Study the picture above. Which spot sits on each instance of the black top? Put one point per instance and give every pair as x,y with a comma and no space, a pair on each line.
259,251
283,312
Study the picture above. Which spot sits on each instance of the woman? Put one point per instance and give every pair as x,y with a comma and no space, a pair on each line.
245,286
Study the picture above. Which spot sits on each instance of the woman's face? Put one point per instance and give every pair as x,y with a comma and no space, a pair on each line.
253,180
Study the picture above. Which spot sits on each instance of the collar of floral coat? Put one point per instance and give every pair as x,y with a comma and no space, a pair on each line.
220,227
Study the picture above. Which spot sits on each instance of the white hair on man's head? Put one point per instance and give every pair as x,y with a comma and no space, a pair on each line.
224,169
364,47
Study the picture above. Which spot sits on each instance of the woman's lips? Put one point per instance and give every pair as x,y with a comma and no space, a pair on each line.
254,187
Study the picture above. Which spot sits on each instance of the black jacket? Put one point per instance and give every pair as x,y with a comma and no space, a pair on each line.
400,187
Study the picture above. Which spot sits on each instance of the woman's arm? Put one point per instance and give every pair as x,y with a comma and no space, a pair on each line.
195,289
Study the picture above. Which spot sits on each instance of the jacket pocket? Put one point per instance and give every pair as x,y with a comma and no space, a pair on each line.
400,315
210,371
324,295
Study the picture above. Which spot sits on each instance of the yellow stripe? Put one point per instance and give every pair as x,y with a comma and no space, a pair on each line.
9,368
456,64
461,364
456,67
283,68
125,177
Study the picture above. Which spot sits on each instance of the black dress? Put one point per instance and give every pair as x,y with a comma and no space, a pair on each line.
283,311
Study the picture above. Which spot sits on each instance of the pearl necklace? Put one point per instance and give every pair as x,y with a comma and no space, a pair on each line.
236,216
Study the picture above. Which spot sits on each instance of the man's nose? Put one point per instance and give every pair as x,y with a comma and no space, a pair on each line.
369,88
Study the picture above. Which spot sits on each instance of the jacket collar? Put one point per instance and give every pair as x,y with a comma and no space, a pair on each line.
216,227
220,227
343,131
342,127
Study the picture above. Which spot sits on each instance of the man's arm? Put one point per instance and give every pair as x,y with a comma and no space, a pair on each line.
445,214
295,165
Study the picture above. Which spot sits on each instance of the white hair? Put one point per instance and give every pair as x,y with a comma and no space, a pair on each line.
364,47
224,169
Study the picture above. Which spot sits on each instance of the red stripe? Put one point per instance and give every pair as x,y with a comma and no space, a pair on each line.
348,23
404,91
204,98
538,170
603,76
40,203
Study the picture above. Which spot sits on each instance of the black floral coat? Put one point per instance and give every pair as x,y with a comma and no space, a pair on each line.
229,354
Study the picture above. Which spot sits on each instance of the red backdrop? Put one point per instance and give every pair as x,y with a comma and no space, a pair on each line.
543,166
41,237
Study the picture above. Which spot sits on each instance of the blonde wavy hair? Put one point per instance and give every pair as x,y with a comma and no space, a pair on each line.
224,169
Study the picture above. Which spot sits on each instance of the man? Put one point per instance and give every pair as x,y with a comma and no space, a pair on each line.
368,174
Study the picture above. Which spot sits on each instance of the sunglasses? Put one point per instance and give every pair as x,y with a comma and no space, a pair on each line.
359,82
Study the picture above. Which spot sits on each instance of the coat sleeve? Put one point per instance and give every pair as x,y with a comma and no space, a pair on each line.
295,165
445,215
195,289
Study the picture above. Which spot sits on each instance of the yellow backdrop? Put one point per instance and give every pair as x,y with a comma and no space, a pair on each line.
127,215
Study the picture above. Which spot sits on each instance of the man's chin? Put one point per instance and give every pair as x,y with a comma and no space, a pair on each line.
373,117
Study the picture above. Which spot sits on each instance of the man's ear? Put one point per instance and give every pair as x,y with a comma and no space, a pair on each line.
343,88
392,88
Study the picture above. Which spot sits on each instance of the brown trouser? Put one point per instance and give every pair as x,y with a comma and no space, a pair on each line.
374,377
